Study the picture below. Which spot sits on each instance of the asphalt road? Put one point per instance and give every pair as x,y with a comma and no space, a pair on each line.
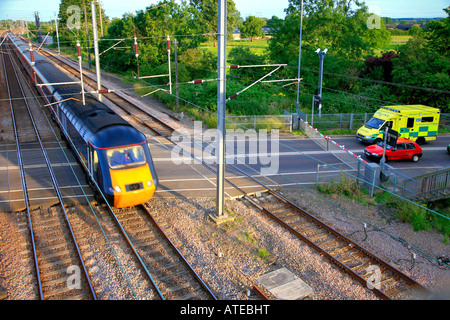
299,157
293,160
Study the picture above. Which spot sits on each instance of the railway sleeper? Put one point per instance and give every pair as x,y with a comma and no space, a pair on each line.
352,256
318,236
174,275
66,294
182,286
340,250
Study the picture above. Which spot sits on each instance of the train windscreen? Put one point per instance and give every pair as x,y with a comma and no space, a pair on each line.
126,157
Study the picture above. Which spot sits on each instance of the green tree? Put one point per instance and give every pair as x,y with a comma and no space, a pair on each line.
341,25
274,23
205,15
420,65
252,27
438,34
72,22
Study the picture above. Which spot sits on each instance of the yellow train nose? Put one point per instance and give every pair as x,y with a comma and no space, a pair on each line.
132,186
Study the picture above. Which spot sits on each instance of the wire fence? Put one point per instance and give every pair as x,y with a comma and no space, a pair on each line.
257,122
351,121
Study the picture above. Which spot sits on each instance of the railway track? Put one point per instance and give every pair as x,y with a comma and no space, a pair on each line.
54,248
172,274
386,281
169,272
368,269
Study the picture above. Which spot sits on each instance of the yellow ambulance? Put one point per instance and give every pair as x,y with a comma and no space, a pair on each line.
415,122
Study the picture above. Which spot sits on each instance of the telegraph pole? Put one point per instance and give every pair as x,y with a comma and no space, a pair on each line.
97,58
57,34
175,45
221,103
168,61
87,36
299,60
321,55
38,26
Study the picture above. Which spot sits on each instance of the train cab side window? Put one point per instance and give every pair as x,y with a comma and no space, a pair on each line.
95,166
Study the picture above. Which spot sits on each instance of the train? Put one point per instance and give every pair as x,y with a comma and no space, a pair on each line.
115,154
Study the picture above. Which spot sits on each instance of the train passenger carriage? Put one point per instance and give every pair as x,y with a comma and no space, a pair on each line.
115,154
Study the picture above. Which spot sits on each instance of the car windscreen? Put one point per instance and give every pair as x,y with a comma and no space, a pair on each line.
126,157
388,147
375,123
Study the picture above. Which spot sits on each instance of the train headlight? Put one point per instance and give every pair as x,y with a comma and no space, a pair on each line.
149,183
117,188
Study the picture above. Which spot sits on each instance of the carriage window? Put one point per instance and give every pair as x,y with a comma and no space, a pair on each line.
125,157
410,123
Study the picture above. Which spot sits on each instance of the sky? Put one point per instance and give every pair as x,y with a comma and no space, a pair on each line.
24,9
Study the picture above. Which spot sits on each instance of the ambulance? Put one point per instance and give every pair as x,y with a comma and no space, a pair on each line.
415,122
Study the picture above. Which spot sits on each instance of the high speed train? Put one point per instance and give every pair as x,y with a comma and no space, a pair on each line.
114,152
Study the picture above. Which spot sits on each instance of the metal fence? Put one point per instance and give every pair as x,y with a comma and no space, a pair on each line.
351,121
365,175
256,122
397,182
431,186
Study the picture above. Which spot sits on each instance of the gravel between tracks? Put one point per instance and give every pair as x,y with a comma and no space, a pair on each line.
228,256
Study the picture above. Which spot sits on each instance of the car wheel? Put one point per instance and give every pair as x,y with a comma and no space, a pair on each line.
377,141
415,158
420,140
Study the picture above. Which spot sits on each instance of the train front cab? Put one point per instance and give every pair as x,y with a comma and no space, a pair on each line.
125,174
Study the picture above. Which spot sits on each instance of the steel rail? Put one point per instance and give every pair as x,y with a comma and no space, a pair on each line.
24,184
321,250
180,255
346,268
56,187
335,232
119,225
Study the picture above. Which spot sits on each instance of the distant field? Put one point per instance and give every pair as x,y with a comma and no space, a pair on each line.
396,43
257,46
260,46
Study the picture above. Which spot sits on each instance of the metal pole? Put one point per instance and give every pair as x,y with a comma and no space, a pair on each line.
87,36
320,82
384,145
299,61
97,58
38,26
100,16
26,24
57,34
175,44
81,71
221,104
168,58
321,58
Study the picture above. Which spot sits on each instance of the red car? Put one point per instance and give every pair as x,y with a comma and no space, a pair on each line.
405,149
